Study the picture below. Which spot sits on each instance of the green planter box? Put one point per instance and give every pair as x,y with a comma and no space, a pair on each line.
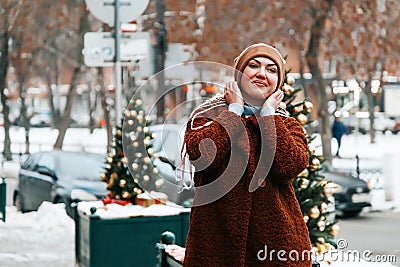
124,241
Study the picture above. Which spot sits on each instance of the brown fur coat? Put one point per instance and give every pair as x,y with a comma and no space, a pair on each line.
250,165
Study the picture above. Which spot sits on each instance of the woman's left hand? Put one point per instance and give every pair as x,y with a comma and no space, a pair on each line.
274,100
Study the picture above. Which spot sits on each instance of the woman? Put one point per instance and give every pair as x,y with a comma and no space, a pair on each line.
246,152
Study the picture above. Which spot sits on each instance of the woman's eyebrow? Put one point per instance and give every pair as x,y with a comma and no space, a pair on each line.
268,65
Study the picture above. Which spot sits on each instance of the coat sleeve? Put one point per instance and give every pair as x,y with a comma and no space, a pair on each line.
284,138
208,140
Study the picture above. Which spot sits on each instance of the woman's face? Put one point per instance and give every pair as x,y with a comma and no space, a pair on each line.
259,80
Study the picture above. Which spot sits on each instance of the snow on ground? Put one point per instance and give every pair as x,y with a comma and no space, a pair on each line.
37,239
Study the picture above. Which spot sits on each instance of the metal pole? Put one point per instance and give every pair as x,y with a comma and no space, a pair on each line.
3,199
160,58
117,60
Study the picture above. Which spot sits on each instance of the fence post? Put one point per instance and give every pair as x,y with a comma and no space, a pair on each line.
3,199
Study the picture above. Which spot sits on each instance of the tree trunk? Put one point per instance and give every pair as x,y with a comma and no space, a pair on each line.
372,131
320,16
23,112
3,75
66,117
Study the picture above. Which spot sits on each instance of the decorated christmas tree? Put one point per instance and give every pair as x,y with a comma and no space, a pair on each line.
313,192
129,170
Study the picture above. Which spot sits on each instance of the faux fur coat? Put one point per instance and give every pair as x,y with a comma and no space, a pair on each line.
245,212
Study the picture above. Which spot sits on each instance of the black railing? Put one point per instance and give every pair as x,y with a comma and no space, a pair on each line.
3,199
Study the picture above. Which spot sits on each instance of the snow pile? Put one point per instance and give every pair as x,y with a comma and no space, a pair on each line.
110,211
38,239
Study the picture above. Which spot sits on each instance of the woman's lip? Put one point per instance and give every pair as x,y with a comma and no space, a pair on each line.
260,83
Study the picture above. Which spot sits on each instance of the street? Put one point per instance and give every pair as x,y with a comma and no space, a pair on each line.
377,232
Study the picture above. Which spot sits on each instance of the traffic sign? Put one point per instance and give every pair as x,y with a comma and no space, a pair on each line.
104,9
99,50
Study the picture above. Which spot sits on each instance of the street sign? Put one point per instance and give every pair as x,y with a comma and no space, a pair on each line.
99,50
129,9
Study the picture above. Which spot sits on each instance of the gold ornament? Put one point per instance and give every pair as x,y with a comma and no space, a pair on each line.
321,248
136,180
119,133
126,195
321,225
297,109
146,160
130,122
122,182
287,89
137,191
124,160
139,129
135,144
135,166
304,173
109,160
308,106
304,183
133,113
321,240
146,178
314,212
290,80
155,170
146,142
138,102
133,137
146,129
150,151
103,177
315,163
306,218
302,118
334,229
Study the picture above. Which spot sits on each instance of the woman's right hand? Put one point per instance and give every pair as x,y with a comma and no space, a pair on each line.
232,93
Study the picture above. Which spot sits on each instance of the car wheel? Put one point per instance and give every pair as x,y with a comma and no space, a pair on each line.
353,213
18,203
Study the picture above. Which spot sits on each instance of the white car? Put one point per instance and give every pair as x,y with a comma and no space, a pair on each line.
167,146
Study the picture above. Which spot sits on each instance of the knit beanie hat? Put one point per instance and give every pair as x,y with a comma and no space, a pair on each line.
259,50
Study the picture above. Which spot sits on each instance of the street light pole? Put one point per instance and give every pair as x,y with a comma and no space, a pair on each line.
117,60
161,47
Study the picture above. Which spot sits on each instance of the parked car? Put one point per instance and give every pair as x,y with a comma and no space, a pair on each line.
59,177
351,194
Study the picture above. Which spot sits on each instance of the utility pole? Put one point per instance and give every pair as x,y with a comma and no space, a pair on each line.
161,48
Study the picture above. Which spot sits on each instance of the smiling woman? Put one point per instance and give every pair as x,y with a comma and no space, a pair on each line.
246,152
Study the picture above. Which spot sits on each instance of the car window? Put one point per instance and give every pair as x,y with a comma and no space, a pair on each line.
30,162
170,146
46,160
83,166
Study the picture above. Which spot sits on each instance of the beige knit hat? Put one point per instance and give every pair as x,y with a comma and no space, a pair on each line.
259,50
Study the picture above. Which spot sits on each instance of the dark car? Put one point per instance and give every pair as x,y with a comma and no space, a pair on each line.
351,194
59,177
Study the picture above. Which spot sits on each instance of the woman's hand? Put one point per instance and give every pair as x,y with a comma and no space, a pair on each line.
232,93
274,100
